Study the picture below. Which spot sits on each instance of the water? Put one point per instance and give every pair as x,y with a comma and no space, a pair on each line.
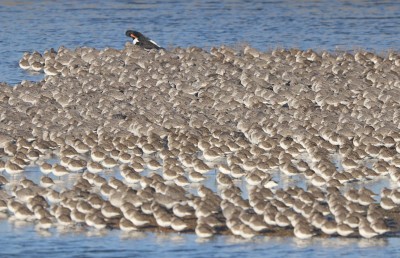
23,239
329,24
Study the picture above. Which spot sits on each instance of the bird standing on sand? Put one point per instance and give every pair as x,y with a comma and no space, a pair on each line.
141,40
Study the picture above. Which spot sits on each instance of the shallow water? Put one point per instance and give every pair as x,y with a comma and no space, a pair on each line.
23,239
331,25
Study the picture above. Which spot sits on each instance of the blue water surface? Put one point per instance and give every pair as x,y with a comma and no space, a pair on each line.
22,240
321,25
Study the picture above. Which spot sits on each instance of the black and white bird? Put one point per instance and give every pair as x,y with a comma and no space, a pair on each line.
141,40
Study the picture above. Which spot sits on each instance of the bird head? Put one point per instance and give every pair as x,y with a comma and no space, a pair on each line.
133,34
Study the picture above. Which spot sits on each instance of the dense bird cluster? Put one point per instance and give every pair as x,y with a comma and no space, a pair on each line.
163,121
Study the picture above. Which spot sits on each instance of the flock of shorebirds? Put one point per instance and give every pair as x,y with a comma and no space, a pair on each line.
141,129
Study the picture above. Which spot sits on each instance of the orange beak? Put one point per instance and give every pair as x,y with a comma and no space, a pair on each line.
133,36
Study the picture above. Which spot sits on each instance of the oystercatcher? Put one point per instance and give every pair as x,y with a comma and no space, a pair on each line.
141,40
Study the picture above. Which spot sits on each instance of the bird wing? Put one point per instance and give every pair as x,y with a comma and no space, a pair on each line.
149,44
152,41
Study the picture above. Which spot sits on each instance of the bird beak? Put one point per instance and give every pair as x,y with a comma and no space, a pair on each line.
133,36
